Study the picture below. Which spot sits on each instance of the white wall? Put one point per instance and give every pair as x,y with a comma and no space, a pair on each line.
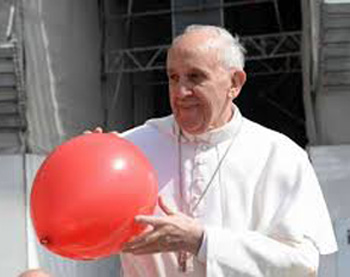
12,215
332,166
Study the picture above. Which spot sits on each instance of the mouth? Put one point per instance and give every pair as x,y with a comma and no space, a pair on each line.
187,105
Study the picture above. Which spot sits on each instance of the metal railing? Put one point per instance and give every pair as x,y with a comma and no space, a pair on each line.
273,53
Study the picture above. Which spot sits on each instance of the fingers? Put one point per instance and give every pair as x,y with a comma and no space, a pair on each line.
145,243
142,240
151,242
99,130
87,132
168,233
138,239
150,220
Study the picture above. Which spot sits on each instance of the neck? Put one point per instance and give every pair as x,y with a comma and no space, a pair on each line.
226,115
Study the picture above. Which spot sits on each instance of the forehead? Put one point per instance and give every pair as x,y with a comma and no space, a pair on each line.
192,50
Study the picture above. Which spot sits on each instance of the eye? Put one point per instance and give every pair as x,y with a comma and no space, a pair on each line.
195,77
173,78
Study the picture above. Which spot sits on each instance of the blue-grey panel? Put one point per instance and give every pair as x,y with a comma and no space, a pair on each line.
335,58
12,216
332,166
336,6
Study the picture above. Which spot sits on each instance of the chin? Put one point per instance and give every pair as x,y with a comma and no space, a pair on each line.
193,130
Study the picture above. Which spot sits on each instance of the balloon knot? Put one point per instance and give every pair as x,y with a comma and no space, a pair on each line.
44,241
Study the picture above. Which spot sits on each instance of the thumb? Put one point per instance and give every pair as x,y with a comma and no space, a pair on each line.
164,206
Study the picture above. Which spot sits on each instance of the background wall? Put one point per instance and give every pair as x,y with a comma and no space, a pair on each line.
332,92
13,250
62,44
332,165
63,98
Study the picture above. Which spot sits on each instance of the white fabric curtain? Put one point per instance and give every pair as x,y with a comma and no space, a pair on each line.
62,46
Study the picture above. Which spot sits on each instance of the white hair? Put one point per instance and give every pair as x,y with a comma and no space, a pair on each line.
231,51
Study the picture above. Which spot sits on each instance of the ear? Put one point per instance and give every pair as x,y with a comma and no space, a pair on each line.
238,78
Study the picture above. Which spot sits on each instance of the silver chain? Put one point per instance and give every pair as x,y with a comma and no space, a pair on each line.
211,178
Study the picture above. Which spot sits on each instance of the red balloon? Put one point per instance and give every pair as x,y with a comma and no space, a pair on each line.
86,194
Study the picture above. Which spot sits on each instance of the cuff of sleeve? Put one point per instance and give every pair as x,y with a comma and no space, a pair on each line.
202,252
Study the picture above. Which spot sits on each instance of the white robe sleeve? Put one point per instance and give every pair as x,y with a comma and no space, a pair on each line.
293,227
255,255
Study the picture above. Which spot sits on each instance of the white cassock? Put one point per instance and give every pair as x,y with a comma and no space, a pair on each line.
264,213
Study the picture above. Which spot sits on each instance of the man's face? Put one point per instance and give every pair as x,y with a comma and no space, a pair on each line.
199,86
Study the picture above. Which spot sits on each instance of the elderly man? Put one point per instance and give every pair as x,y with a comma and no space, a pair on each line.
236,199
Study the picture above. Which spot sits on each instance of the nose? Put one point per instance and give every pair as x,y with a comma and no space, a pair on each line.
182,90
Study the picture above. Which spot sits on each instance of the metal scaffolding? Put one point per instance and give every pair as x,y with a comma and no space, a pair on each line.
13,122
269,54
273,53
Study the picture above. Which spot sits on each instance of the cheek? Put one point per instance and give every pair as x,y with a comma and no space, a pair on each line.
208,99
171,99
207,106
213,104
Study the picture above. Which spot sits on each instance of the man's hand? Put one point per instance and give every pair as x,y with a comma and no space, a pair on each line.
99,130
173,232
